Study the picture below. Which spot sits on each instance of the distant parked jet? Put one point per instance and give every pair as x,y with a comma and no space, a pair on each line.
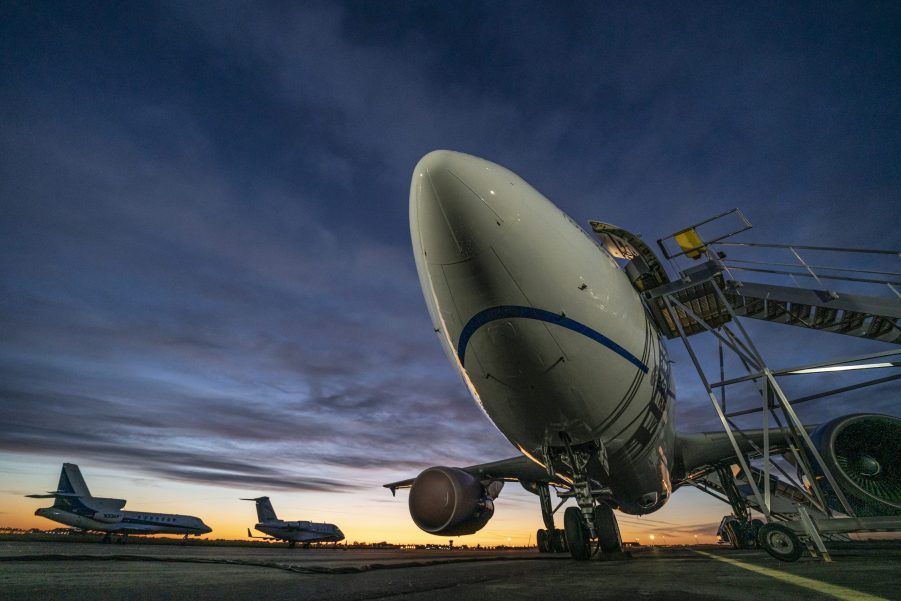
292,532
74,506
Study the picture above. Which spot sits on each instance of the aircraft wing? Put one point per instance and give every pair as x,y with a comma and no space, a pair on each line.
130,528
697,451
515,469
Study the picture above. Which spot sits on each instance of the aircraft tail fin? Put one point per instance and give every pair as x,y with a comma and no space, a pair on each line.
72,490
265,513
71,481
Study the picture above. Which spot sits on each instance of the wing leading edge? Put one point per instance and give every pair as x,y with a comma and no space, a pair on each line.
515,469
702,451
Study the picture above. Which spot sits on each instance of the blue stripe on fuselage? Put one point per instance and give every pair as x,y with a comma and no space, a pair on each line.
511,311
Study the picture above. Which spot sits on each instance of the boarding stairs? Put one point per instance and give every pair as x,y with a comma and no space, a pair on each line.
826,310
712,292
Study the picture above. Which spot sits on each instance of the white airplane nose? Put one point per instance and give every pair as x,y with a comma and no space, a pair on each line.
448,205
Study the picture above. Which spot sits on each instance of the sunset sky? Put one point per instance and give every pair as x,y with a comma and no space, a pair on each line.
207,290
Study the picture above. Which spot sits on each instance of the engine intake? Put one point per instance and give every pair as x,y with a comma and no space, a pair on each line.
863,453
447,501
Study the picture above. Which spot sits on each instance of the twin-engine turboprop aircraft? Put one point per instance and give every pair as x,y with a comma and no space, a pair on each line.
555,345
75,506
292,532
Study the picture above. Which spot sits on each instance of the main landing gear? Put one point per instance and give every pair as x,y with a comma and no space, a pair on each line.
551,539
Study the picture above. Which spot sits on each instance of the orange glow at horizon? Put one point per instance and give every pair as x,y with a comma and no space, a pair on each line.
368,515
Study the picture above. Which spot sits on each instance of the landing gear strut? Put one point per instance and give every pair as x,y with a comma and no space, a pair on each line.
740,531
551,540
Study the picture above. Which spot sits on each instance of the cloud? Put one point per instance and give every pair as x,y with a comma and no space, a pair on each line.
205,265
193,335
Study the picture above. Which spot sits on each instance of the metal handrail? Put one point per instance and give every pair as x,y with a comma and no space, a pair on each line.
746,225
821,395
848,269
896,253
809,275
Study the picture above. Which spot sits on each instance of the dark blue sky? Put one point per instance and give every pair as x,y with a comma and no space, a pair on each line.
206,272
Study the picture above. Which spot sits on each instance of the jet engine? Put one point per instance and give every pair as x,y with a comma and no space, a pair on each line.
447,501
863,453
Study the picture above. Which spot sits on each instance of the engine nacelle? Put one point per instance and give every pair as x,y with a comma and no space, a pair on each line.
447,501
107,517
863,453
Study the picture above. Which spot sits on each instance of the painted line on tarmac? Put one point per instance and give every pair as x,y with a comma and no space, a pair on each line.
839,592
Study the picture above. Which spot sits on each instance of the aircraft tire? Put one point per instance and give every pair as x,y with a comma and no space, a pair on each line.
608,530
780,542
543,541
577,534
558,541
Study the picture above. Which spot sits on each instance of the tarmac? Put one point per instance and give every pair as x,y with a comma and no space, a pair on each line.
33,570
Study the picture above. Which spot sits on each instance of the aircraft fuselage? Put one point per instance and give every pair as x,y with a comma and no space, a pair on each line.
545,329
301,531
127,522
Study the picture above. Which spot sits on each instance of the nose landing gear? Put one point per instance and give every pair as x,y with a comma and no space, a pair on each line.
591,527
607,539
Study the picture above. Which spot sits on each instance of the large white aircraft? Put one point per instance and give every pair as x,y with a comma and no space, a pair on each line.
292,532
75,506
556,346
